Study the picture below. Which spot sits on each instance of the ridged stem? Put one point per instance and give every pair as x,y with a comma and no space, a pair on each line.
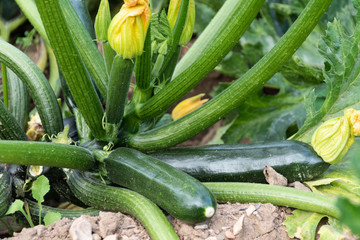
143,64
5,85
70,62
36,84
9,128
239,91
118,89
277,195
45,154
219,37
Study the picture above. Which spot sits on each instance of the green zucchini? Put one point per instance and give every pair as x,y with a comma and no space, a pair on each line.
116,199
297,161
179,194
5,190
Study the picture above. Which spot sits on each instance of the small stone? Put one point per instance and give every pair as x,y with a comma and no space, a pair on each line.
299,185
96,236
81,229
211,238
273,177
124,238
229,235
201,227
112,237
250,210
238,225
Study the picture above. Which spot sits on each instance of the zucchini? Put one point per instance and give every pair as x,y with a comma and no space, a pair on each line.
297,161
179,194
5,190
116,199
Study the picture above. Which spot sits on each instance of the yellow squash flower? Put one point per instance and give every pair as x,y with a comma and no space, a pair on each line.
188,105
127,30
174,8
332,139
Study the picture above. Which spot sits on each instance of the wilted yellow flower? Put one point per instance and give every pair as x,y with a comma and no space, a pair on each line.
35,128
332,139
102,21
173,12
353,117
188,105
127,30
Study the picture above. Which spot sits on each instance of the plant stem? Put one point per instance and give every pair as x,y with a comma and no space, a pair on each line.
118,89
45,154
143,64
277,195
231,98
70,62
36,84
5,85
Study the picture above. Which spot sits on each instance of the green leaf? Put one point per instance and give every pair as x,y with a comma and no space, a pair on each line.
334,231
267,117
40,187
51,217
17,205
342,76
161,32
302,224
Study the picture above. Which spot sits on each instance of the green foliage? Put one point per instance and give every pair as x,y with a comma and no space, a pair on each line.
18,206
51,217
28,39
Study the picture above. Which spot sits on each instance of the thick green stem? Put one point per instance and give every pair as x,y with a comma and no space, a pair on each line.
5,85
143,64
277,195
118,89
45,154
109,55
36,84
209,49
239,91
71,64
9,128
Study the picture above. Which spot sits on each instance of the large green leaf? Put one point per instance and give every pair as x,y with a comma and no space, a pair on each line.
342,76
302,224
267,117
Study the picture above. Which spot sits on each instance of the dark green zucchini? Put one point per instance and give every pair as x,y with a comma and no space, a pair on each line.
297,161
5,190
179,194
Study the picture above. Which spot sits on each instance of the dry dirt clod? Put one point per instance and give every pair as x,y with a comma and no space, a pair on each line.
112,237
81,229
300,186
229,235
238,225
273,177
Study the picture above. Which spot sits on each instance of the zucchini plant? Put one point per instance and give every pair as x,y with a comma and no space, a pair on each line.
119,139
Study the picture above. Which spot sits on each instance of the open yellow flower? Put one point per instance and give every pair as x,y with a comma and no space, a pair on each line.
188,105
127,30
174,8
332,139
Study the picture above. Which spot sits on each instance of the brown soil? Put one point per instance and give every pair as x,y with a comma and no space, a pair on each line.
231,221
